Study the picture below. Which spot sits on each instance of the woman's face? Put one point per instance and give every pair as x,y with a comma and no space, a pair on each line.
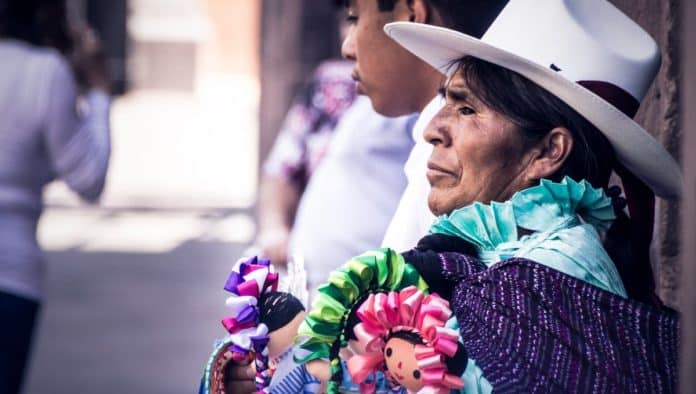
478,154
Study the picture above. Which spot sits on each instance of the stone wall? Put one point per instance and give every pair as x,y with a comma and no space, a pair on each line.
687,290
296,35
660,115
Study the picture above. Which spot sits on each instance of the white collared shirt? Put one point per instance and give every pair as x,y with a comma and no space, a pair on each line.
413,218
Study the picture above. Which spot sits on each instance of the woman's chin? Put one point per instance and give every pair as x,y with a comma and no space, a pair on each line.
438,208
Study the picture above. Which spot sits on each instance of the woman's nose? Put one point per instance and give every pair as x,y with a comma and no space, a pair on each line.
438,132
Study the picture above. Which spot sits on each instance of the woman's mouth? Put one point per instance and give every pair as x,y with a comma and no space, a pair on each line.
432,167
437,174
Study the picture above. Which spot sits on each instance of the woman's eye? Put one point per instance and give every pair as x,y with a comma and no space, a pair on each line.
466,110
388,352
416,374
352,19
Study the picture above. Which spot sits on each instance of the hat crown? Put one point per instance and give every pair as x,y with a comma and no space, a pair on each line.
583,40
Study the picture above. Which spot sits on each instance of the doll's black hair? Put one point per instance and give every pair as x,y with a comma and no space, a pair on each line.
408,336
278,308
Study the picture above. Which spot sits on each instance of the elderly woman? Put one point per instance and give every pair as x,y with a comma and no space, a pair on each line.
548,278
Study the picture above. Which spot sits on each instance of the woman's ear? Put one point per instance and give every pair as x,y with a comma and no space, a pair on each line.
549,154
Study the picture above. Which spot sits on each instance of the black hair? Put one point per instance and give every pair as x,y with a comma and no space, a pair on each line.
37,22
472,17
408,336
535,112
277,308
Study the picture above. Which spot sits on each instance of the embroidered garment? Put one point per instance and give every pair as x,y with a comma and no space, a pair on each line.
531,328
566,218
534,329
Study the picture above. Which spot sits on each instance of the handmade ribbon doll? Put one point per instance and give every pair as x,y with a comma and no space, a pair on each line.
369,293
404,333
261,326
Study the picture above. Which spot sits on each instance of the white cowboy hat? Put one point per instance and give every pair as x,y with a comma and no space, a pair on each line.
585,52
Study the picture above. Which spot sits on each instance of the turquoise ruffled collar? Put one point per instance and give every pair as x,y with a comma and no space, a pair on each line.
537,208
565,219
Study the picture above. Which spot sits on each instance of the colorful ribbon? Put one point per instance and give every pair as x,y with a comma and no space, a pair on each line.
247,334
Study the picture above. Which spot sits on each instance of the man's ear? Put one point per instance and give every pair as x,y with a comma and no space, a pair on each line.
549,154
420,12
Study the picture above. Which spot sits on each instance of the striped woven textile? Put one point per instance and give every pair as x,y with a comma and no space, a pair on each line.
533,329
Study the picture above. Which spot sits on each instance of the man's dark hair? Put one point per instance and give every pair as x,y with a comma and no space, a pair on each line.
472,17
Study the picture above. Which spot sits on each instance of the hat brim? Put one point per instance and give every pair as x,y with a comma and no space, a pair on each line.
637,150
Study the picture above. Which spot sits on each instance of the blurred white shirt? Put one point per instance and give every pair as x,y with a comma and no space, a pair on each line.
413,218
352,195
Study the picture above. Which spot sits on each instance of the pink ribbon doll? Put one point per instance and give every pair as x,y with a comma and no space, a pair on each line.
403,334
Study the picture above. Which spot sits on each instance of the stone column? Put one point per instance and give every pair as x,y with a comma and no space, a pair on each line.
660,115
687,287
296,35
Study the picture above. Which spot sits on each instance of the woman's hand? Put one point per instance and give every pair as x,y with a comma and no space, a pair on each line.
239,377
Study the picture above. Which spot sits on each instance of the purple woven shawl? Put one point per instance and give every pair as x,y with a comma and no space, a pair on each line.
533,329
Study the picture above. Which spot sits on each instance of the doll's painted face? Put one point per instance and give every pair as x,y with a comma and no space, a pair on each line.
400,358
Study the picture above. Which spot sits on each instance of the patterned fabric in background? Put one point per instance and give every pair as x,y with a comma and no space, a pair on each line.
309,124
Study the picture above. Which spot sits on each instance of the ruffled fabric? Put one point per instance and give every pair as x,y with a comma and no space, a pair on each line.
540,207
566,217
321,334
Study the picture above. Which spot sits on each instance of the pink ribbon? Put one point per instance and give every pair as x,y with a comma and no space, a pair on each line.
432,376
410,304
445,346
249,288
430,362
370,341
246,318
453,382
362,365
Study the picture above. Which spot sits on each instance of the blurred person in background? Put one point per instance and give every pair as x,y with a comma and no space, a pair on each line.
44,135
300,146
332,151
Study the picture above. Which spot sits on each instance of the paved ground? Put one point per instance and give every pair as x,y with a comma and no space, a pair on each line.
130,322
